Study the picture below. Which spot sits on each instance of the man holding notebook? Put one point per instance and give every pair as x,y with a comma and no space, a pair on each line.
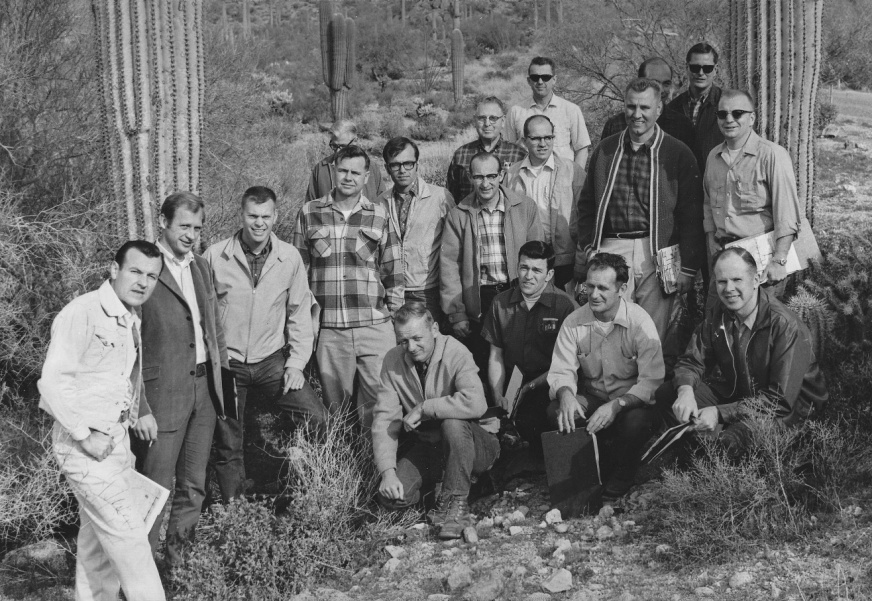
615,346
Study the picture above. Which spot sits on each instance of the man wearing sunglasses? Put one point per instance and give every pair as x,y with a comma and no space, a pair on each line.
571,140
323,178
489,121
417,210
554,184
700,101
750,188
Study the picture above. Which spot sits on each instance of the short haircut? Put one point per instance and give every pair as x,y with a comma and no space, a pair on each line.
654,60
642,84
491,100
729,94
352,151
149,249
483,156
702,48
530,119
736,251
344,125
397,145
413,310
258,195
181,200
536,249
542,61
603,261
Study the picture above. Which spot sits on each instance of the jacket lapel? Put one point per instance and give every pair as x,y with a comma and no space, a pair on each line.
167,279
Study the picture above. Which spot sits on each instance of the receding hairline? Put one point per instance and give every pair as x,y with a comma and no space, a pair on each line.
731,94
492,157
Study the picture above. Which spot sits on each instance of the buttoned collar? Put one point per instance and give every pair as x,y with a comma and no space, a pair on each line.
549,164
171,258
551,101
494,149
622,318
411,193
363,202
752,145
647,143
500,206
546,298
113,307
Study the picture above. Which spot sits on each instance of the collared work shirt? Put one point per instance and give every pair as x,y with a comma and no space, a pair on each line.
88,377
630,204
627,360
494,268
356,277
255,261
457,181
402,205
181,272
755,195
570,130
527,335
539,185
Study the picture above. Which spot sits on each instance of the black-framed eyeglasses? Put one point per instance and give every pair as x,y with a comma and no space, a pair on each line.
538,78
537,139
704,68
488,118
407,165
737,114
336,147
491,177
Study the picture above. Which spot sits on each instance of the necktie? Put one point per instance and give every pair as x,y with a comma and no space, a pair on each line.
422,373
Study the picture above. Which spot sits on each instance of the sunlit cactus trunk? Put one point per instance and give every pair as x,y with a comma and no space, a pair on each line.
338,56
457,64
150,63
775,50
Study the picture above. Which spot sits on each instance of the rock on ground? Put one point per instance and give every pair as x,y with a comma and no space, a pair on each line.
538,597
486,590
559,581
460,577
740,579
47,554
470,535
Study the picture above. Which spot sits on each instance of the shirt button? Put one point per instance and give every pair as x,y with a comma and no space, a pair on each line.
192,345
188,318
192,373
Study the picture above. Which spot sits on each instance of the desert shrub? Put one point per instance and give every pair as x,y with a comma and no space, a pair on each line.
827,112
394,126
499,75
492,35
505,62
387,50
369,124
428,129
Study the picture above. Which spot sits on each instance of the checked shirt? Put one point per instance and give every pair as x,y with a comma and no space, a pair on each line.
355,267
458,182
629,206
492,244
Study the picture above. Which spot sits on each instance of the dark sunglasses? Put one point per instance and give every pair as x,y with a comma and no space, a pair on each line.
737,114
538,78
703,68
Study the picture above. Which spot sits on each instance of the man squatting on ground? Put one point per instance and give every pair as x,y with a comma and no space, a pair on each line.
616,346
269,319
426,416
91,385
759,348
521,329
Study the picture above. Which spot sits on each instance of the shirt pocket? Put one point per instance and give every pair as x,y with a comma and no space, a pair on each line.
627,364
752,193
103,342
319,241
368,239
590,363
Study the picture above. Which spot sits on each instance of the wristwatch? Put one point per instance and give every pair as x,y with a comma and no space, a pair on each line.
781,262
622,403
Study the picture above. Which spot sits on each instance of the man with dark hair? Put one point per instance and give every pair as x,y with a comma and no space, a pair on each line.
750,188
642,194
700,101
267,317
571,140
184,354
751,355
91,385
615,346
489,121
670,121
480,244
417,210
355,268
427,416
554,184
521,329
323,179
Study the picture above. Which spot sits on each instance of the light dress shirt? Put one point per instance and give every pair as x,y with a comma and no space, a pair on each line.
181,272
538,183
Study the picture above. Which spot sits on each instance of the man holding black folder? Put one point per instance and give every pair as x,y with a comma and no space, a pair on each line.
616,347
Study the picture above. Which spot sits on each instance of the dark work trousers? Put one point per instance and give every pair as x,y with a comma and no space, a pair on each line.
477,345
531,418
460,447
736,437
620,444
259,386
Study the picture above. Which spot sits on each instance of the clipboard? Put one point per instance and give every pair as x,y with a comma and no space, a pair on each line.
572,467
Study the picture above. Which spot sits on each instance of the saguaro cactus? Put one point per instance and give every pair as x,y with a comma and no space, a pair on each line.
457,64
339,59
150,64
775,53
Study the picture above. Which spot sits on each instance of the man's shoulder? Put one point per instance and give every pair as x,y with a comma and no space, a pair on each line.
394,361
563,302
82,304
215,249
465,150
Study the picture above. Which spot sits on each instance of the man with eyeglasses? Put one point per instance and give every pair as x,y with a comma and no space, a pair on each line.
750,187
480,245
489,122
554,184
417,210
670,120
323,178
571,140
700,101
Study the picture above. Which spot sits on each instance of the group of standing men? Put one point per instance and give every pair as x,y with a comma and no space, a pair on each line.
404,296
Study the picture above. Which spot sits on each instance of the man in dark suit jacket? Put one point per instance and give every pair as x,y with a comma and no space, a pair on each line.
183,353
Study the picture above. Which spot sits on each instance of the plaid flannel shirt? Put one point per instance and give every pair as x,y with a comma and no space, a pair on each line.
629,207
492,245
355,268
457,181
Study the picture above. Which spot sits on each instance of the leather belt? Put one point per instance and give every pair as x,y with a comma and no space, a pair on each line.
201,370
628,235
497,287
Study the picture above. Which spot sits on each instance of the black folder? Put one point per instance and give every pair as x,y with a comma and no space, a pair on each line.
572,468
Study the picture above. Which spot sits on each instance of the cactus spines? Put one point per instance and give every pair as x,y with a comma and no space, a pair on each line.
456,14
351,52
814,312
325,13
457,64
339,52
150,65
